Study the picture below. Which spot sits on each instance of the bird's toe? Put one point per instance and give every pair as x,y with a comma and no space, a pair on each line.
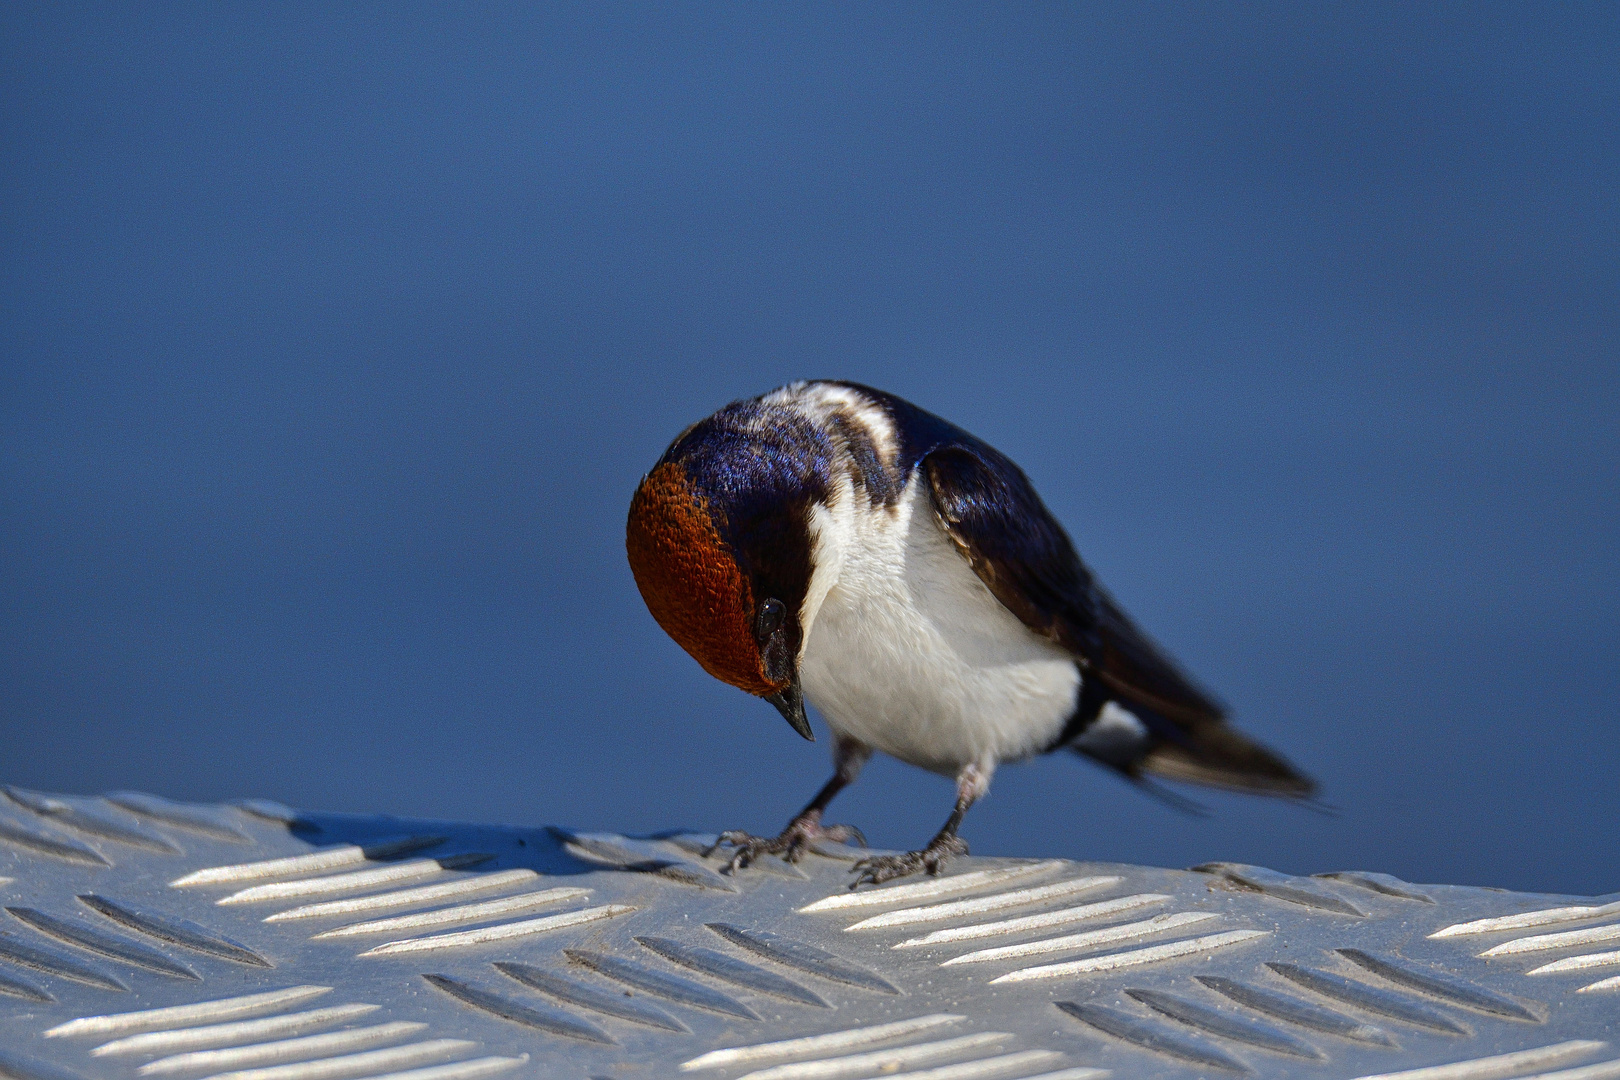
931,859
799,837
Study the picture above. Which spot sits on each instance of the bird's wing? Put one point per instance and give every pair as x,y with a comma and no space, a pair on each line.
989,509
991,512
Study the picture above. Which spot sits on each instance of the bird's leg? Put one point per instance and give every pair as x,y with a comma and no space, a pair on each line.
971,784
849,757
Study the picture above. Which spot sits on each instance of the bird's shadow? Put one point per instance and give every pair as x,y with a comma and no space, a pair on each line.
385,838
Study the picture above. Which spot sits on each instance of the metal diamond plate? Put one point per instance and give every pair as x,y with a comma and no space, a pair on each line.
145,938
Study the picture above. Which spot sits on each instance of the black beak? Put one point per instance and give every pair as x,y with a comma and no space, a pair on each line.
790,703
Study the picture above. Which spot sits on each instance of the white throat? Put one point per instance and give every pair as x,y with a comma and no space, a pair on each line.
907,651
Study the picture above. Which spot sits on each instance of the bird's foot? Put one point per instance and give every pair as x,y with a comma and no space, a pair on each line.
881,868
802,831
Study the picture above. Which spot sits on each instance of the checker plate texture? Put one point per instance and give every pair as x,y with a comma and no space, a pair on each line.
145,938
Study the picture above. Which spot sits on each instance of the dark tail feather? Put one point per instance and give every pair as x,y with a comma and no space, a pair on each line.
1218,756
1175,800
1199,751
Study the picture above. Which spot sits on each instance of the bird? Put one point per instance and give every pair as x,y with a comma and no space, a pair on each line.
834,544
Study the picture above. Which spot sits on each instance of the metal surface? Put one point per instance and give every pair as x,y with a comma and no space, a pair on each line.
141,938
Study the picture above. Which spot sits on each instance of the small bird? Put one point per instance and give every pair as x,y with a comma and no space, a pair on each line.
833,543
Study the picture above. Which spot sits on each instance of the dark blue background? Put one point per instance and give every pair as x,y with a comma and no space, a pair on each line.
336,338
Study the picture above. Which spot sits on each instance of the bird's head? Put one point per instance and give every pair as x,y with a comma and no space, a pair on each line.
718,540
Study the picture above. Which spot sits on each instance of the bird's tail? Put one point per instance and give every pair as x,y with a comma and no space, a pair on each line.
1198,750
1220,756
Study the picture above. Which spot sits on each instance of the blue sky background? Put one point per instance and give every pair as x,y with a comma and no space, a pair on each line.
336,337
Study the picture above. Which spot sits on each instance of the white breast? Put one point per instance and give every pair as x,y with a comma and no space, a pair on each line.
909,652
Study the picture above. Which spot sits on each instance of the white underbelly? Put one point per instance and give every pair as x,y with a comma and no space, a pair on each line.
911,653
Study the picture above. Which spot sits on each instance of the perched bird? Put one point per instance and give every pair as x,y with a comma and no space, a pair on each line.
833,543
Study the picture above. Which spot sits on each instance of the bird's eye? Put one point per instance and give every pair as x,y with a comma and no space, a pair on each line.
770,617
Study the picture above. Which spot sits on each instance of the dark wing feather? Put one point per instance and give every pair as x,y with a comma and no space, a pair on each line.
991,512
989,509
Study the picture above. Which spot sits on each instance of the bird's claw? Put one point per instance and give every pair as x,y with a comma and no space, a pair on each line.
791,845
880,868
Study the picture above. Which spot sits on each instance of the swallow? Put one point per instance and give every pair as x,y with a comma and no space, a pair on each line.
834,544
